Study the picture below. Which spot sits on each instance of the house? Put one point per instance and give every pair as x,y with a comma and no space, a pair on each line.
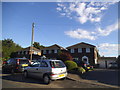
104,61
84,52
51,51
26,52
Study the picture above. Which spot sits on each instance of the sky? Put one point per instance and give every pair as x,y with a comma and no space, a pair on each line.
63,23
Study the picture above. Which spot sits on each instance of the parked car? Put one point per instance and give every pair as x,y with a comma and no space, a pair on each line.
47,70
15,65
113,65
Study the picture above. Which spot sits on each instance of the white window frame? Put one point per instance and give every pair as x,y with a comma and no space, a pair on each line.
72,50
44,51
76,59
49,51
79,50
18,53
35,52
55,51
26,52
87,50
22,52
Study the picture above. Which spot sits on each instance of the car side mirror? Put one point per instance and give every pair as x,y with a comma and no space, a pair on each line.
30,65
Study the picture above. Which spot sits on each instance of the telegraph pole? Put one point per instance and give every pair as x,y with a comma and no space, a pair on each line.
32,41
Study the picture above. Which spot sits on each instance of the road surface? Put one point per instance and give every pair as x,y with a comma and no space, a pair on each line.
18,81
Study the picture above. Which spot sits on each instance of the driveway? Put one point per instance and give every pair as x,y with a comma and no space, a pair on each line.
17,81
106,76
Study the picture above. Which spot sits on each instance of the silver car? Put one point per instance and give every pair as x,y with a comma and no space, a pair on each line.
47,70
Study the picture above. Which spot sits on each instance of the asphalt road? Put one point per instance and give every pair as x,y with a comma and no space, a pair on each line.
106,76
18,81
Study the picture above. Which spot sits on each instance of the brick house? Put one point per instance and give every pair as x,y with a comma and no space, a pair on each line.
51,51
84,52
26,52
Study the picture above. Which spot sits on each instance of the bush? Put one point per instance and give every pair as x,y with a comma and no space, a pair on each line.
70,65
63,55
81,70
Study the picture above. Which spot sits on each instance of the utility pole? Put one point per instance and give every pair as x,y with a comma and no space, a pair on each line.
32,41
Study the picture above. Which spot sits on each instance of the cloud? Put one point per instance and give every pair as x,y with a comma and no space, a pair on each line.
82,11
108,49
107,30
92,35
81,34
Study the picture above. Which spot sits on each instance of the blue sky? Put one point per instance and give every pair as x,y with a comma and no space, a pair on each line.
64,24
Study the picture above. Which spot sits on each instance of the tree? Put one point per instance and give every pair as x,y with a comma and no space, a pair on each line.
64,56
8,47
37,45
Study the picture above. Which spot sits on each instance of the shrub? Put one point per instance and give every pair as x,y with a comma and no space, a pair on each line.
63,55
81,70
70,65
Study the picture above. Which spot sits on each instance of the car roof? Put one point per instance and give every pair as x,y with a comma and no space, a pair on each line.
20,58
47,60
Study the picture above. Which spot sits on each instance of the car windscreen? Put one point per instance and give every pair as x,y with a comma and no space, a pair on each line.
23,61
57,64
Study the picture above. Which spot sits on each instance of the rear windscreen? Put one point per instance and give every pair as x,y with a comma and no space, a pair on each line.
57,64
23,61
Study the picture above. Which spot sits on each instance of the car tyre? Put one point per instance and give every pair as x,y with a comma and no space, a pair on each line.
46,79
63,78
25,74
12,72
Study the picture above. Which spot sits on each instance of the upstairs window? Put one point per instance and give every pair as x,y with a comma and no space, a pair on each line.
26,52
79,50
55,51
18,53
87,50
44,51
72,50
50,51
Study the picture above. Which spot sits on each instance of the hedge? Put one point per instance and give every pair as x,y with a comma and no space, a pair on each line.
70,65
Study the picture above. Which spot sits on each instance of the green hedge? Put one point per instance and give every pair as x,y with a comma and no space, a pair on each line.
70,65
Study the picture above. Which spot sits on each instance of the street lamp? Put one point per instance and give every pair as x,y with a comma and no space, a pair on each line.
32,41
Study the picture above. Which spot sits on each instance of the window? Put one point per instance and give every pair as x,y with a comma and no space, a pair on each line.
43,64
87,50
55,51
36,64
26,52
49,51
35,52
18,53
79,50
75,59
57,64
52,51
72,50
22,52
44,51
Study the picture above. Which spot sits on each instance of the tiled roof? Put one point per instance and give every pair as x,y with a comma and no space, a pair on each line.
28,48
55,45
81,44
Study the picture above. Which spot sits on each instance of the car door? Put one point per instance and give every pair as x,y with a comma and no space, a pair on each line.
33,69
44,68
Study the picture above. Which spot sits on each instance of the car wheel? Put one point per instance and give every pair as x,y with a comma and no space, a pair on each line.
63,78
25,74
46,79
12,71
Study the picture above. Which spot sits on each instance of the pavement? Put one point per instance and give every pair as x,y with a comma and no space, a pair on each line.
78,78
